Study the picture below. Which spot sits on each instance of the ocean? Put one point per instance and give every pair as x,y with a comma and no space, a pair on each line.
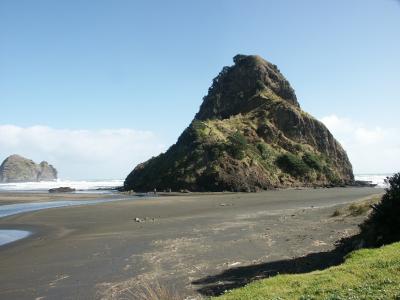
102,185
79,185
378,179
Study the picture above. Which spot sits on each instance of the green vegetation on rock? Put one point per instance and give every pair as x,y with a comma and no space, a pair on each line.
313,161
237,145
293,164
249,134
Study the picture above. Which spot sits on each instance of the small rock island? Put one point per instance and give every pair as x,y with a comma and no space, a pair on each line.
16,168
250,134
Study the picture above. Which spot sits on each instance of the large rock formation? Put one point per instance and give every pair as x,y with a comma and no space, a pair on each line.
16,168
249,134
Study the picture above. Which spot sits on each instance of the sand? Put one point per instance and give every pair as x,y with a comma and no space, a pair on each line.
97,251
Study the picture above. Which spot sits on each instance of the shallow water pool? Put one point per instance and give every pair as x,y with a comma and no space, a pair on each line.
11,235
13,209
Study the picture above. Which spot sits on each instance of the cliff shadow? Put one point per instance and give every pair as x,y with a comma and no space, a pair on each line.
215,285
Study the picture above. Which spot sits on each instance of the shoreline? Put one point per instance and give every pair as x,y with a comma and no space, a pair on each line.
28,196
14,197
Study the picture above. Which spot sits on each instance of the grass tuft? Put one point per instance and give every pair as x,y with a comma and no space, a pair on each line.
144,289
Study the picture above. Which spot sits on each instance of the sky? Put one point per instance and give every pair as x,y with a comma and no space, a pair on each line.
95,87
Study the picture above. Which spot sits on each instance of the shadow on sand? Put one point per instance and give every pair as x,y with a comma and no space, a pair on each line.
240,276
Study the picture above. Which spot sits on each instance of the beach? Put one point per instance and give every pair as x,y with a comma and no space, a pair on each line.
97,251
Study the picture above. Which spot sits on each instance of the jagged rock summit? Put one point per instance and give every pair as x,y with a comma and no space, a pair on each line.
16,168
249,134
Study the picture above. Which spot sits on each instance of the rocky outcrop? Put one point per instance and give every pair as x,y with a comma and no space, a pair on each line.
16,168
249,134
62,189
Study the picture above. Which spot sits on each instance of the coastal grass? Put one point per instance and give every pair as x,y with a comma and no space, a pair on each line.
365,274
359,208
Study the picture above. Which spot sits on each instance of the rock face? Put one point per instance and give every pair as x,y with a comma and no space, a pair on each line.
16,168
249,134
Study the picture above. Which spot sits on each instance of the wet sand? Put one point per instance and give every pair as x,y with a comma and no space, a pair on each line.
11,197
93,252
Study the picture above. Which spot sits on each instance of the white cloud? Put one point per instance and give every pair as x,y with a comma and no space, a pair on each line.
113,153
81,154
371,149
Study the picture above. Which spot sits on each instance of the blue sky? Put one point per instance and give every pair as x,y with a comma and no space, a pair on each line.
73,66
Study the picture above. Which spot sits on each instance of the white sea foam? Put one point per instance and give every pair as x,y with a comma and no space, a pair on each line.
378,179
82,185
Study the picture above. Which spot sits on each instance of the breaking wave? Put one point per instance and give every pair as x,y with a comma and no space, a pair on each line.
96,185
82,185
378,179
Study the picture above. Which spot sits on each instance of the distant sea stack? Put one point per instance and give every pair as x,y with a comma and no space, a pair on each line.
250,134
16,168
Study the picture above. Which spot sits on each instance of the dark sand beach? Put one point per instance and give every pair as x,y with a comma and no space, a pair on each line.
191,242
